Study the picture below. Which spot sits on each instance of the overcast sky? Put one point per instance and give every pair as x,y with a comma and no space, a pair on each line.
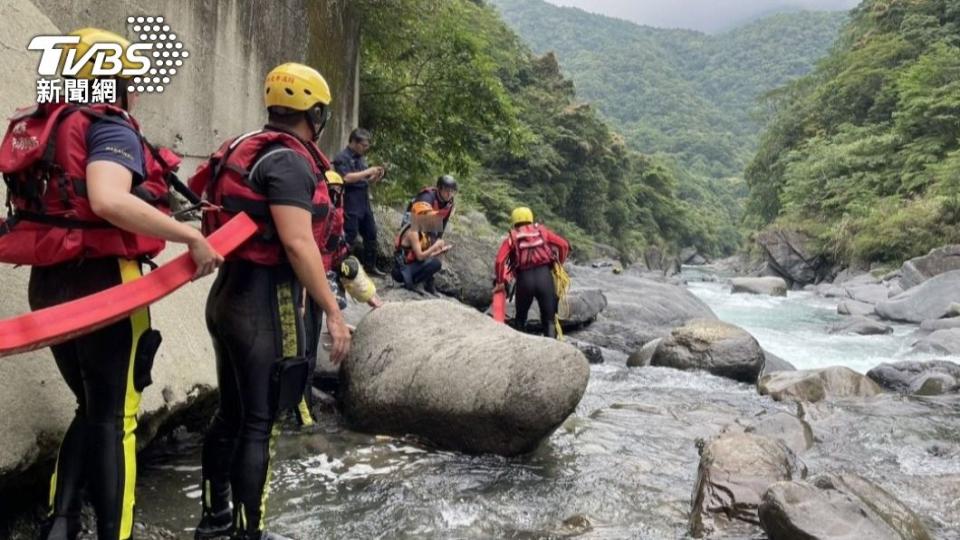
704,15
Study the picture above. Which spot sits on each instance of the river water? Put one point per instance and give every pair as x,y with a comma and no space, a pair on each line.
623,466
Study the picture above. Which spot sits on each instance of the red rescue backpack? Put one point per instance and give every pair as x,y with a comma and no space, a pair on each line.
530,247
336,247
223,179
43,158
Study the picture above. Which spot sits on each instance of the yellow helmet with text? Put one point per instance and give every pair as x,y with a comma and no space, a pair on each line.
93,36
296,87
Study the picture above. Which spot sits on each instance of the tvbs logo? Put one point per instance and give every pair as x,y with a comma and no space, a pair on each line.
90,74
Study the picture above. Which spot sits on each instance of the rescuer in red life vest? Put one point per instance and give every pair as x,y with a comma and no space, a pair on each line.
528,255
260,333
88,198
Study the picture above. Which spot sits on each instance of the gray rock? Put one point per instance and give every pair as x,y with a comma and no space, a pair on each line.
837,506
593,353
658,260
868,294
861,326
734,471
929,300
953,310
714,346
939,342
817,384
933,325
893,288
773,363
583,307
915,377
639,310
770,286
642,357
938,261
785,427
854,276
852,307
467,383
787,252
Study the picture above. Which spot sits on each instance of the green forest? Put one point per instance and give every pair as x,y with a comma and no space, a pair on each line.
447,86
864,153
679,93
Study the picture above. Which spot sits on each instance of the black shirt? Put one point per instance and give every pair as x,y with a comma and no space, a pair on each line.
117,143
284,177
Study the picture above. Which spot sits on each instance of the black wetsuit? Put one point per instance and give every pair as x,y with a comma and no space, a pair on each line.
537,283
105,370
255,319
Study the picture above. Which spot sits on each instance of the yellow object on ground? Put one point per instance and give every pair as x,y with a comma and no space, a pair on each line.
356,282
561,281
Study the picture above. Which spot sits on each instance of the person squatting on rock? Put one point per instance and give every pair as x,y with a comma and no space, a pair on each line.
418,250
85,217
260,333
351,164
532,255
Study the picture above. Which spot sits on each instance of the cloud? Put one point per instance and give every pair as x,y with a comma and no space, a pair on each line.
703,15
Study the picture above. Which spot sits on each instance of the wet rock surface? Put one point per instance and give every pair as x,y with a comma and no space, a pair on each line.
914,377
938,261
770,286
583,306
713,346
734,472
932,299
817,384
837,506
861,326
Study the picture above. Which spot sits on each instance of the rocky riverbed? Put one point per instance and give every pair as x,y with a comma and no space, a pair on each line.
625,463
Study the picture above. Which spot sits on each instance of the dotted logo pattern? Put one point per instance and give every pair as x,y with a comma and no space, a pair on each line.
168,53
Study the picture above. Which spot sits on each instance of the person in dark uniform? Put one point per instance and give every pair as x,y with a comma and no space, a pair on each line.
261,334
98,228
357,177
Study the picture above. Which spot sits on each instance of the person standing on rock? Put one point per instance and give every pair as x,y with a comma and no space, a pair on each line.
418,250
260,333
351,163
529,255
85,218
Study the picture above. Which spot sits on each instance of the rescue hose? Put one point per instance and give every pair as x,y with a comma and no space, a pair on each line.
66,321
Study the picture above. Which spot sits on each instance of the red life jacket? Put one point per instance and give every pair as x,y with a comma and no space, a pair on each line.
442,210
43,158
336,248
405,255
224,180
530,248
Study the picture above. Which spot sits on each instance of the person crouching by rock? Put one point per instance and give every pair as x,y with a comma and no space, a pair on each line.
417,254
533,255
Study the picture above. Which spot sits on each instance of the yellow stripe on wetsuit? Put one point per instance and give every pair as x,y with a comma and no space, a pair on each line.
139,323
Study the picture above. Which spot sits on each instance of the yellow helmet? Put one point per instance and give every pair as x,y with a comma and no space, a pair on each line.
521,215
295,86
90,37
333,178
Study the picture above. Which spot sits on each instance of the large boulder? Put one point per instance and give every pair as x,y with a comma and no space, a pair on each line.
789,429
36,406
639,309
855,308
916,377
837,506
734,472
939,342
813,385
656,259
933,325
449,374
789,254
770,286
867,293
714,346
931,299
583,307
938,261
861,326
